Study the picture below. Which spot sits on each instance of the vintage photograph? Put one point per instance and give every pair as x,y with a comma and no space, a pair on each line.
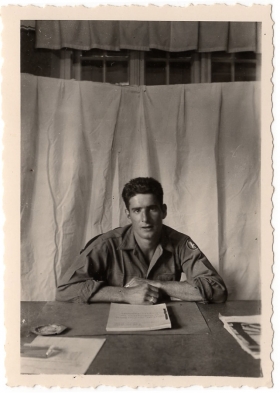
140,198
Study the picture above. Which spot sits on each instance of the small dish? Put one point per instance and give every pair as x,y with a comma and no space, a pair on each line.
48,330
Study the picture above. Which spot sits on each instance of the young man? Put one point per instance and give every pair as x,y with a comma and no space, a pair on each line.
142,262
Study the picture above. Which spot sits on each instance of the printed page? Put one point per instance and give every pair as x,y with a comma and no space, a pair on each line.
131,317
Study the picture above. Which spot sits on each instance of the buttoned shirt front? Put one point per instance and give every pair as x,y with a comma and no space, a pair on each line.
114,258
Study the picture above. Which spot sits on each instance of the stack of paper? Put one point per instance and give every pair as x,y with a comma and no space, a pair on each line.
126,317
70,355
247,332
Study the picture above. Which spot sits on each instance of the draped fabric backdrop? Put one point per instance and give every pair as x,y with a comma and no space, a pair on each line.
82,141
145,35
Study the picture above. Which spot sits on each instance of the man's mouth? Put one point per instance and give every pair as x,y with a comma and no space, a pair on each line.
147,227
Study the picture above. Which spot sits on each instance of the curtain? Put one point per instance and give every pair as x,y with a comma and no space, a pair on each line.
146,35
82,141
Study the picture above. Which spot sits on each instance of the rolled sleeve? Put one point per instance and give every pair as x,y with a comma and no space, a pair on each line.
210,290
202,275
79,292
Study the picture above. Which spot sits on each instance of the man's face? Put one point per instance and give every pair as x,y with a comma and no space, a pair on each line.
146,215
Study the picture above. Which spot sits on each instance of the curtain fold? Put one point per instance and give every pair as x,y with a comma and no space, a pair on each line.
239,174
145,35
242,37
82,141
213,36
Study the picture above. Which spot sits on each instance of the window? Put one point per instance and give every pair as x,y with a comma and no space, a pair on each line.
158,67
102,66
234,67
128,67
168,68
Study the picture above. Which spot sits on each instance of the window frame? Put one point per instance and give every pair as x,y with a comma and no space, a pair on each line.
207,60
201,66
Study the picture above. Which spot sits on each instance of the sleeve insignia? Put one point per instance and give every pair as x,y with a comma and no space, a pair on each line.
191,245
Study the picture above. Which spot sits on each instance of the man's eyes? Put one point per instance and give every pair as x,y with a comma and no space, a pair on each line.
151,209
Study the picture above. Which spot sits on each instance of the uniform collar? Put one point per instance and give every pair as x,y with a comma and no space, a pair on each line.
129,242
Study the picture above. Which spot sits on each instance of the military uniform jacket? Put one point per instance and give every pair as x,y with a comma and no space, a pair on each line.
114,258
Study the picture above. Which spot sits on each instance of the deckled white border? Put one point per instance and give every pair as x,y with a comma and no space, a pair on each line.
276,157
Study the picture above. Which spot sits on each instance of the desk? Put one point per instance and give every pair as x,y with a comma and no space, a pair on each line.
211,354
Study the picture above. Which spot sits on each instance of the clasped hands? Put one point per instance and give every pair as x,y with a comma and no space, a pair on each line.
142,291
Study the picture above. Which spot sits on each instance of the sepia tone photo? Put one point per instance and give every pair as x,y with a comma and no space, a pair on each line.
141,161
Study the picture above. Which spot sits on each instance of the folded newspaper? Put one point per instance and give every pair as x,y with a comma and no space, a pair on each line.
246,330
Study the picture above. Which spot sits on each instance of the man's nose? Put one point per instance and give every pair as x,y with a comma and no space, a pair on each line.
144,216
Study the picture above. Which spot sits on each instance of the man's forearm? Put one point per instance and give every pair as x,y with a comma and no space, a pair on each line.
109,294
185,291
181,290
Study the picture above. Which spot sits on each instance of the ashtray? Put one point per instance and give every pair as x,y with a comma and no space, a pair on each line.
48,330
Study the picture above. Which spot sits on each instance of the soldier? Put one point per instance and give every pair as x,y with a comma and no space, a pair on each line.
141,263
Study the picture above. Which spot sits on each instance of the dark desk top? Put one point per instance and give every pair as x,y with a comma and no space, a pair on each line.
214,353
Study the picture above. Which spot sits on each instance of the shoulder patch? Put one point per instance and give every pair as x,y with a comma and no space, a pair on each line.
191,245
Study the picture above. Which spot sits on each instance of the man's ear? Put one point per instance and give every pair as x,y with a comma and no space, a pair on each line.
164,211
127,214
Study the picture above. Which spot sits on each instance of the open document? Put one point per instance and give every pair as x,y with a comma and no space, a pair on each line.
126,317
67,355
246,330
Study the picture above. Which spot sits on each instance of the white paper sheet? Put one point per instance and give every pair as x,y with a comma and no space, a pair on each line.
73,355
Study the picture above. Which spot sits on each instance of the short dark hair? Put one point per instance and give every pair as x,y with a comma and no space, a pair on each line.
142,185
